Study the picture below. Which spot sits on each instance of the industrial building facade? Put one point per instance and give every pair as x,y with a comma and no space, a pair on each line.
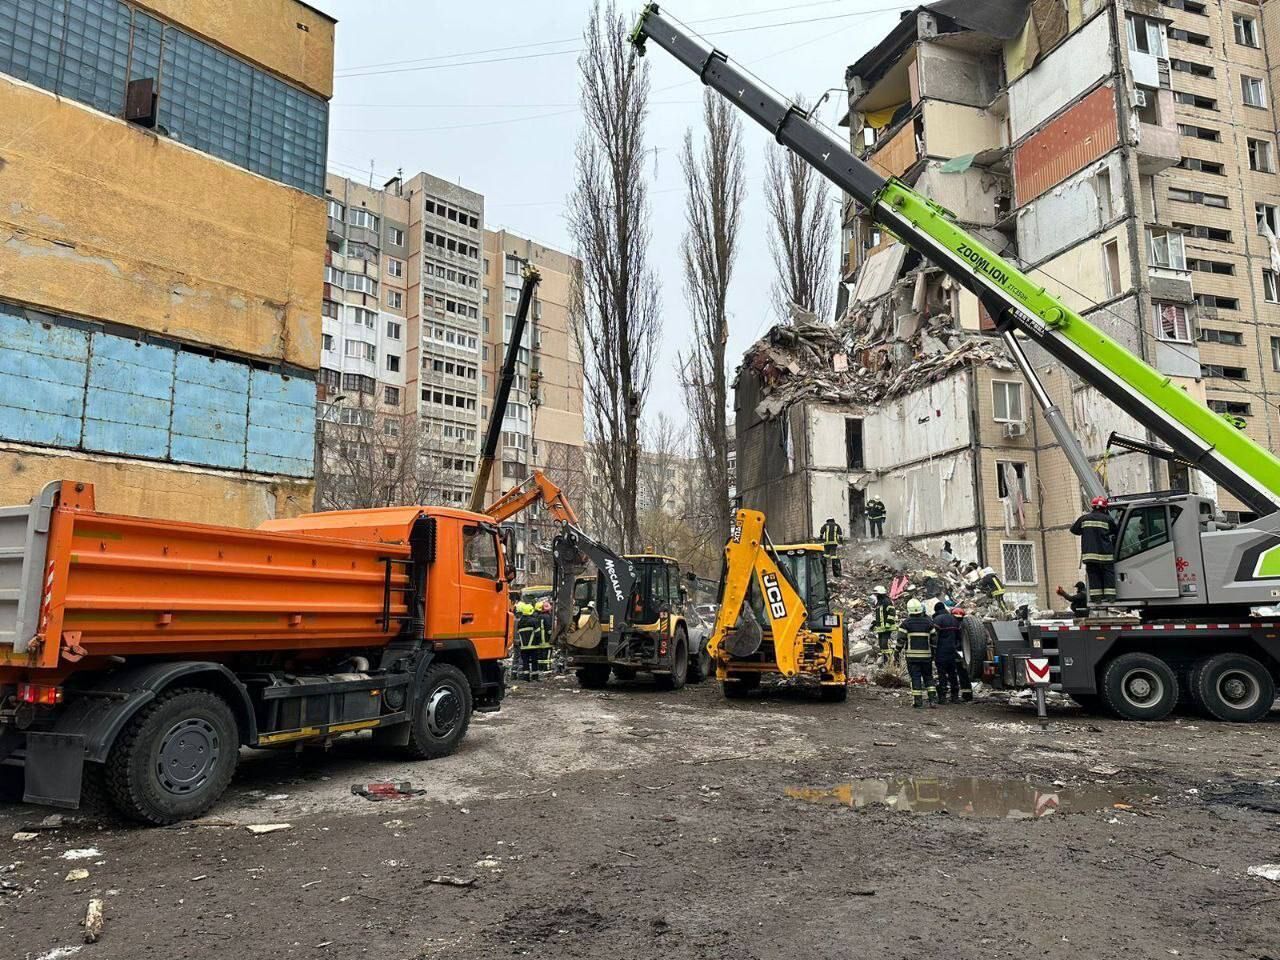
163,240
1125,154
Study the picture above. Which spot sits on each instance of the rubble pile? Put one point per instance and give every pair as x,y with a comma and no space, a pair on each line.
864,361
905,572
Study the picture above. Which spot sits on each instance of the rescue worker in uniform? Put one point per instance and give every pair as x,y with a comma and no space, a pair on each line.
1079,601
534,630
884,624
1097,533
919,637
949,658
993,586
832,535
875,517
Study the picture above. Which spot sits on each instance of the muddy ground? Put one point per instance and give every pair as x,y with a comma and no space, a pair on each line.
636,824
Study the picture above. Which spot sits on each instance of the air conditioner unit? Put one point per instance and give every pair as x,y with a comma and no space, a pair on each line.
1016,429
1140,97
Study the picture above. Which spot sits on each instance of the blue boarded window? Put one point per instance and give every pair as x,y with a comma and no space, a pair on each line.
63,384
88,50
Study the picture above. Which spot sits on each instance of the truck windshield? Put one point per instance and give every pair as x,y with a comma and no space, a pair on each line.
653,585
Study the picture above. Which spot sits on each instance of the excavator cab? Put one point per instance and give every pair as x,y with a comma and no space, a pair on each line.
805,566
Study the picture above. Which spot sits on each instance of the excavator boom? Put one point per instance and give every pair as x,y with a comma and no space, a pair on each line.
537,488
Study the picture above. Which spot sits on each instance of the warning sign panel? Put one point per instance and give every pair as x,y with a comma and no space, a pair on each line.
1037,670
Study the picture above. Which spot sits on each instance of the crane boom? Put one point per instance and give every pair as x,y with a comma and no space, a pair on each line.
494,431
1197,434
528,492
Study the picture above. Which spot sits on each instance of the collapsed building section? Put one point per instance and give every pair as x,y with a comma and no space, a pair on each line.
1109,148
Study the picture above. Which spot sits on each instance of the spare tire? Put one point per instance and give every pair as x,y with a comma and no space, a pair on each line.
973,645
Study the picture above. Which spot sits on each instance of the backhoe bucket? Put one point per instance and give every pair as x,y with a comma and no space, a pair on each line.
586,632
745,638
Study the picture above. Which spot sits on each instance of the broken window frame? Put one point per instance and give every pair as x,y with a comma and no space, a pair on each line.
1270,286
1232,408
1167,249
1267,213
1228,338
1261,155
1151,34
1255,87
1245,30
1021,470
1171,322
1275,353
854,444
1009,389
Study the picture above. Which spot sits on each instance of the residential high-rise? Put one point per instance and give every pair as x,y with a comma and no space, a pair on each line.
1125,155
160,282
400,403
543,427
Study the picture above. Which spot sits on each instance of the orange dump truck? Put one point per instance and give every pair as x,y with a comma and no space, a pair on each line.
139,655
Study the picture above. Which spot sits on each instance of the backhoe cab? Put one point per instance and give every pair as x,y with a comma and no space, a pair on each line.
775,615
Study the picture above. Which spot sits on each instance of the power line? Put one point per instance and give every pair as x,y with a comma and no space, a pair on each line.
351,71
558,53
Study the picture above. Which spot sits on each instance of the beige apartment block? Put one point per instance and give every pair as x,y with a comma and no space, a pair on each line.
543,427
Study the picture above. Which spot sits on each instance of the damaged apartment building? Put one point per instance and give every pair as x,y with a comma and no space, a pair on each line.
1122,153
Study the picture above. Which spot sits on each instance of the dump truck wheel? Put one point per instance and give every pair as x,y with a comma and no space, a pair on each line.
835,694
1233,687
593,676
1139,686
442,713
679,665
174,758
739,685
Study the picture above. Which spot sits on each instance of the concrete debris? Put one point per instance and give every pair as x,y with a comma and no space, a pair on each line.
267,827
93,922
872,358
76,875
24,836
1267,871
82,853
445,881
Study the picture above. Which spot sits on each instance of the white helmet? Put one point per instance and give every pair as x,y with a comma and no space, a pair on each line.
880,592
915,606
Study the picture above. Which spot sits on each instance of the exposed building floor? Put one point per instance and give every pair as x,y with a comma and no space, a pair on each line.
632,824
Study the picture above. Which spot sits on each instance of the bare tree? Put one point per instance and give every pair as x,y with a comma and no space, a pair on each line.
799,203
614,294
714,188
370,459
671,484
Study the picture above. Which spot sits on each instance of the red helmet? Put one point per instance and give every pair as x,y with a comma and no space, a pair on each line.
1099,502
957,612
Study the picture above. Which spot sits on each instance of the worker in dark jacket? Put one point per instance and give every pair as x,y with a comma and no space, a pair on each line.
875,516
1079,601
919,637
832,535
1097,533
991,584
949,657
884,624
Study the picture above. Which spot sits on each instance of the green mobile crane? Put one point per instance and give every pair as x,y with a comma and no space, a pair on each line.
1194,581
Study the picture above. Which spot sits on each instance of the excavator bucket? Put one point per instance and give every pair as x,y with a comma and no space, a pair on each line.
745,638
585,633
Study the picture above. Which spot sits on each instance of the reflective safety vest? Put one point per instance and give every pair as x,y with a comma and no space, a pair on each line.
920,633
886,619
875,509
991,583
533,633
831,534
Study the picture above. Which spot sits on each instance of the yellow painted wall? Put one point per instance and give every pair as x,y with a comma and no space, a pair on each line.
952,130
154,490
106,220
269,32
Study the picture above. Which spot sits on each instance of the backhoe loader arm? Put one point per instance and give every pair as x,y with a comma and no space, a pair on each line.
571,550
536,488
1018,303
746,560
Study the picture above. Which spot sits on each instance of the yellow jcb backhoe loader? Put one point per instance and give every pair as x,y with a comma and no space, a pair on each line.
763,624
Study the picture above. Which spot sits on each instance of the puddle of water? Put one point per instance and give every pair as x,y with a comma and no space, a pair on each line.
964,796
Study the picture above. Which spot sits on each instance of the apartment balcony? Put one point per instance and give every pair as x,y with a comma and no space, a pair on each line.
1159,146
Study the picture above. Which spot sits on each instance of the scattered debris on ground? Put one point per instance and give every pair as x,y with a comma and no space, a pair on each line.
93,921
76,875
267,827
401,790
445,881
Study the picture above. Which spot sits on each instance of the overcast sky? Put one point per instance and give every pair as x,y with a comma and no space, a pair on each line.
507,128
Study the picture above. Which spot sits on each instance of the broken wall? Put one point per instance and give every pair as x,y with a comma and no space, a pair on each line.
926,422
1069,142
1071,211
928,499
959,76
952,130
1078,276
770,474
972,195
1075,66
